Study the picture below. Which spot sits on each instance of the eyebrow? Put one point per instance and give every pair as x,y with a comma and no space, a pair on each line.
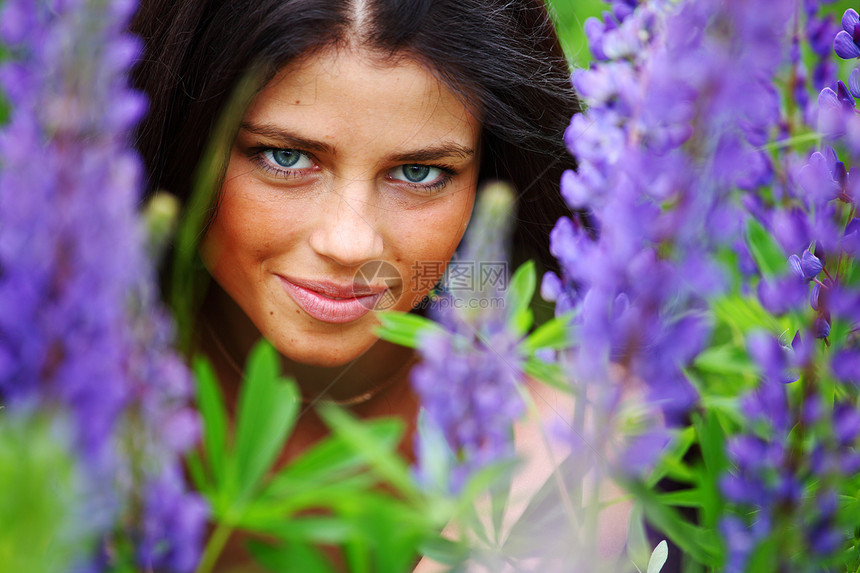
442,150
286,139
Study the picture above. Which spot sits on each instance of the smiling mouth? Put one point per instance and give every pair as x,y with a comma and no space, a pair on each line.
330,302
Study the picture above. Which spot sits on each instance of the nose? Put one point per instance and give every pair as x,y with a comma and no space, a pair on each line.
346,227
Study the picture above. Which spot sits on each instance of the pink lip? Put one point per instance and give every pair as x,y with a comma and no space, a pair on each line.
331,302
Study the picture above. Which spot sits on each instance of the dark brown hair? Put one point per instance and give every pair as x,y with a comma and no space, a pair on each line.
502,56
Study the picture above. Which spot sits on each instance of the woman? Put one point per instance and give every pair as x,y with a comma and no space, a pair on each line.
369,127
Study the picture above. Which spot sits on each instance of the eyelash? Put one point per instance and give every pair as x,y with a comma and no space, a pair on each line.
256,155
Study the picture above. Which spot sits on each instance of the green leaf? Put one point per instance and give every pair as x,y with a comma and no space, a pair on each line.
658,557
404,328
444,550
266,513
726,359
671,463
682,498
551,374
700,543
851,273
556,334
214,416
766,252
290,557
744,314
317,530
382,458
519,296
198,474
711,440
267,410
334,456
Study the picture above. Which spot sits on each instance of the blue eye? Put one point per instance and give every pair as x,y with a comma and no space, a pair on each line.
416,173
288,158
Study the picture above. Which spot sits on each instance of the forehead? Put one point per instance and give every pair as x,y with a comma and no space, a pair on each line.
349,96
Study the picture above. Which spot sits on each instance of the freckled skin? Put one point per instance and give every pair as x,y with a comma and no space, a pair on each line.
349,207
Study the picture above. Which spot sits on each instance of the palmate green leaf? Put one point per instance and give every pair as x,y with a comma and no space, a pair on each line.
266,413
404,328
358,556
700,543
518,297
266,513
324,529
332,460
212,410
290,557
380,456
393,531
768,255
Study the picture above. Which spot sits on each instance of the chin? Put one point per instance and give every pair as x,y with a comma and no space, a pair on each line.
323,354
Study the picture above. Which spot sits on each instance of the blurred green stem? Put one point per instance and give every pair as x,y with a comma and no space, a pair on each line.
214,548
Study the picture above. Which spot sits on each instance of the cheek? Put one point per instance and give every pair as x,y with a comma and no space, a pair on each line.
428,243
245,232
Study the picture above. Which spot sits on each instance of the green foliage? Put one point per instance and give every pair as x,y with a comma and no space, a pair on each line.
768,255
569,16
333,493
519,296
406,329
42,523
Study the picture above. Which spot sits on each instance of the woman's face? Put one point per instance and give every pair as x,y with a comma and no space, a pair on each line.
349,187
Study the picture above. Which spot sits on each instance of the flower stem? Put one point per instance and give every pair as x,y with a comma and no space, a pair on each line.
789,142
214,547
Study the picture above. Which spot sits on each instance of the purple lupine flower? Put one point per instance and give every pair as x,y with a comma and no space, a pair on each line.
854,82
674,92
80,327
469,375
657,186
835,110
771,477
847,41
807,266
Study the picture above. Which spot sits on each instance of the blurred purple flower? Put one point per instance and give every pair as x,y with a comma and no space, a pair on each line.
835,110
655,172
469,377
81,327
